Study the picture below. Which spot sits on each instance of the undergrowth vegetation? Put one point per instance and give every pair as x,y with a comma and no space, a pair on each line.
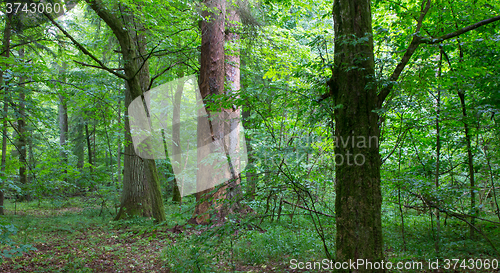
78,236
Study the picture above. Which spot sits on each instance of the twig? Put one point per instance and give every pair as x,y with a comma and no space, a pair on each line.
96,66
83,49
308,209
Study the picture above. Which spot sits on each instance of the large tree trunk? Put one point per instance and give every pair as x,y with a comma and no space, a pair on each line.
358,194
6,50
211,83
353,87
136,200
137,86
133,49
232,124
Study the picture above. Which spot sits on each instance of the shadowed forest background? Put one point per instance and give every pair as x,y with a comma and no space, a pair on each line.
371,131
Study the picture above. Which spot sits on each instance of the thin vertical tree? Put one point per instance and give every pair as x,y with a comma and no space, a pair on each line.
176,138
63,121
6,53
438,149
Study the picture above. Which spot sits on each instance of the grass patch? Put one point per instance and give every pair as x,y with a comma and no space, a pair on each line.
80,236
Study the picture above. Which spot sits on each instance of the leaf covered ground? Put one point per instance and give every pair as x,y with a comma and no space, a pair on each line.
76,236
76,239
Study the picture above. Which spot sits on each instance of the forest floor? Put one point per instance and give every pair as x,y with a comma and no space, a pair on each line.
75,236
67,242
76,239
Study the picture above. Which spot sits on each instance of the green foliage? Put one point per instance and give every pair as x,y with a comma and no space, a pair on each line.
286,51
10,248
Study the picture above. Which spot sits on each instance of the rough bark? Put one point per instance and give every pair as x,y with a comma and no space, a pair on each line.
135,200
211,83
133,50
232,122
358,194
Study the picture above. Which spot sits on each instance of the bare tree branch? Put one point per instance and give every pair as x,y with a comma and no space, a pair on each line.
308,209
460,31
163,72
116,25
417,40
83,49
96,66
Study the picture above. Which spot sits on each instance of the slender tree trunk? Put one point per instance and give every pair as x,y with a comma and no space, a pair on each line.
4,153
470,162
79,149
399,191
6,50
251,180
63,124
470,157
170,170
89,145
211,83
94,137
119,148
176,139
22,133
358,194
31,158
438,151
493,187
109,155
